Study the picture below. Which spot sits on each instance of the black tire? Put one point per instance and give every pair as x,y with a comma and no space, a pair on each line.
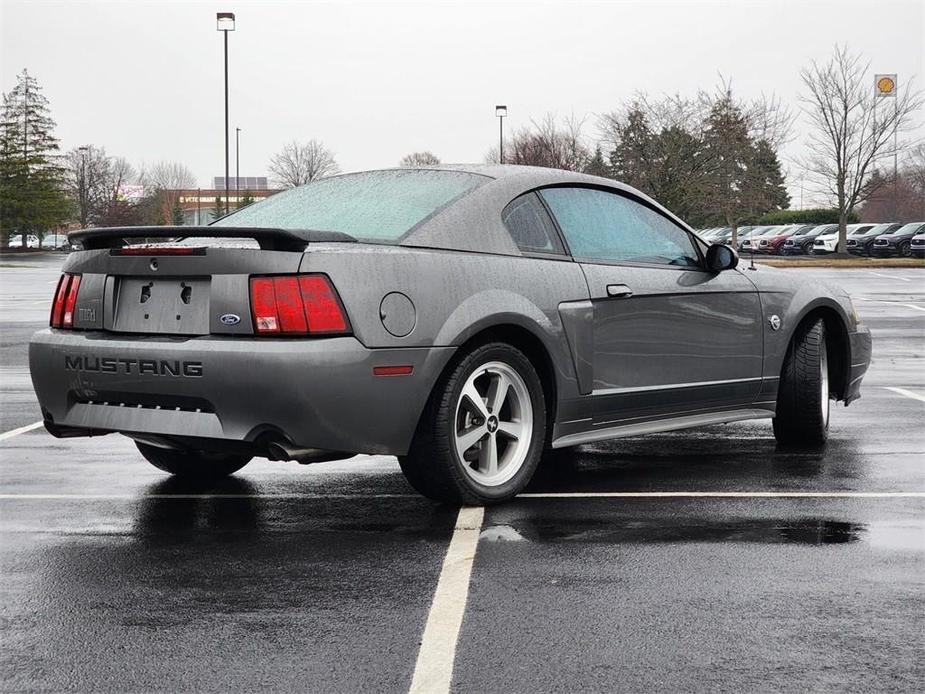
193,465
905,249
802,417
433,465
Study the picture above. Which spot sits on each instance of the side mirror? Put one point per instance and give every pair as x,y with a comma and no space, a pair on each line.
721,257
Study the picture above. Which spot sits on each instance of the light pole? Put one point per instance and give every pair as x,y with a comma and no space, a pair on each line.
237,164
224,22
82,188
501,113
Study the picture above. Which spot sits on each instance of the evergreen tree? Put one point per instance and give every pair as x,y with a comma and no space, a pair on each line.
666,164
745,180
245,200
32,197
597,166
219,210
176,213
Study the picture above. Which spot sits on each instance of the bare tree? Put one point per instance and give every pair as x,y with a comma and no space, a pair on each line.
546,143
419,159
167,175
297,164
849,130
87,180
163,183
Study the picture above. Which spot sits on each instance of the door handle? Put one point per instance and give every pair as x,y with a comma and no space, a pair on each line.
619,291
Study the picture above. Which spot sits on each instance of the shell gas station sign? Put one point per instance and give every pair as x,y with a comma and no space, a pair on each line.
885,85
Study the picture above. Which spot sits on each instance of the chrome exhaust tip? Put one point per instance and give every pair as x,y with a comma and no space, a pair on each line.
281,451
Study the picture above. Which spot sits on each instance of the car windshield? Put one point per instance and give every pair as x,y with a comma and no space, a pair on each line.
376,206
911,228
879,230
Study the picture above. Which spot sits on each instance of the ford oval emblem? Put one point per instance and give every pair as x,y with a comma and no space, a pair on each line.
230,319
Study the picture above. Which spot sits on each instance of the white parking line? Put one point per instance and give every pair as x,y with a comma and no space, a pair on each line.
433,671
894,303
891,277
22,430
534,495
907,393
724,495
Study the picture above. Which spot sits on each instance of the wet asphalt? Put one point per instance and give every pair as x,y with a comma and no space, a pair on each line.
320,578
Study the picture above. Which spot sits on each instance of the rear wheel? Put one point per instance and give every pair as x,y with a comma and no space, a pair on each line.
481,435
802,417
194,465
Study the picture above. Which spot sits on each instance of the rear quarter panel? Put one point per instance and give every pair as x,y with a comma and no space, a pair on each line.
455,295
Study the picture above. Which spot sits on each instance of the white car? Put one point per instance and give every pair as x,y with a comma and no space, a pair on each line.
828,243
55,241
32,241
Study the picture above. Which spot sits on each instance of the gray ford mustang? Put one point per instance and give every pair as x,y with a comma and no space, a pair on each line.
464,319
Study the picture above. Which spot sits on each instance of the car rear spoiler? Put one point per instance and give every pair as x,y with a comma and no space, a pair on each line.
269,239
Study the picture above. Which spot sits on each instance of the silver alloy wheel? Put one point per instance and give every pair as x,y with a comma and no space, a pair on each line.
493,424
824,384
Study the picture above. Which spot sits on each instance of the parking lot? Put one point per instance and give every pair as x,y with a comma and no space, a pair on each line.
691,560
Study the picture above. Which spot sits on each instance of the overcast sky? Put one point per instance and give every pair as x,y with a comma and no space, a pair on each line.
375,81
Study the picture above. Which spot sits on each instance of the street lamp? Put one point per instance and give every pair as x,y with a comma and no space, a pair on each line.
237,164
501,113
224,22
82,187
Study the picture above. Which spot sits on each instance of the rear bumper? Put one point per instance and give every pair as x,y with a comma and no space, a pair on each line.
317,393
860,343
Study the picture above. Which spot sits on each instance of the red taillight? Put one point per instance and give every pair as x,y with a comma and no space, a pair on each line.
263,305
289,305
62,310
296,305
57,307
70,303
322,306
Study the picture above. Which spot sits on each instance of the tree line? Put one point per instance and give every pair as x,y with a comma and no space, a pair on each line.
711,157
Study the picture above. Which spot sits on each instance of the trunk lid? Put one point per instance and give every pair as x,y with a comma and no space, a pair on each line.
198,285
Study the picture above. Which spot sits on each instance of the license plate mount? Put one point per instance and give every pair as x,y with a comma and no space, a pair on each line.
162,305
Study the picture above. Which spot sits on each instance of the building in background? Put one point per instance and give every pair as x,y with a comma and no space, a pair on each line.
199,204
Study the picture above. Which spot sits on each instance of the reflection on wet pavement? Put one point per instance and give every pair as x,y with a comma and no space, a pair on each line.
809,531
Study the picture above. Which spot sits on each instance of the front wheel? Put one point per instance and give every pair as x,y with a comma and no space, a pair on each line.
905,249
481,435
193,465
802,416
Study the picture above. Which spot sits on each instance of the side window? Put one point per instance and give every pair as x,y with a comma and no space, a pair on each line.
530,226
599,225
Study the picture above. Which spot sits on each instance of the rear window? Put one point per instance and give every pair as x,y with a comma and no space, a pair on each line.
377,206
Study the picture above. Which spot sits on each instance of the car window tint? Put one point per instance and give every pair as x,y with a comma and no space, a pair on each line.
369,206
530,225
599,225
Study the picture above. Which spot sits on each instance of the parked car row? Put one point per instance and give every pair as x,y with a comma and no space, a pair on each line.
48,242
878,240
